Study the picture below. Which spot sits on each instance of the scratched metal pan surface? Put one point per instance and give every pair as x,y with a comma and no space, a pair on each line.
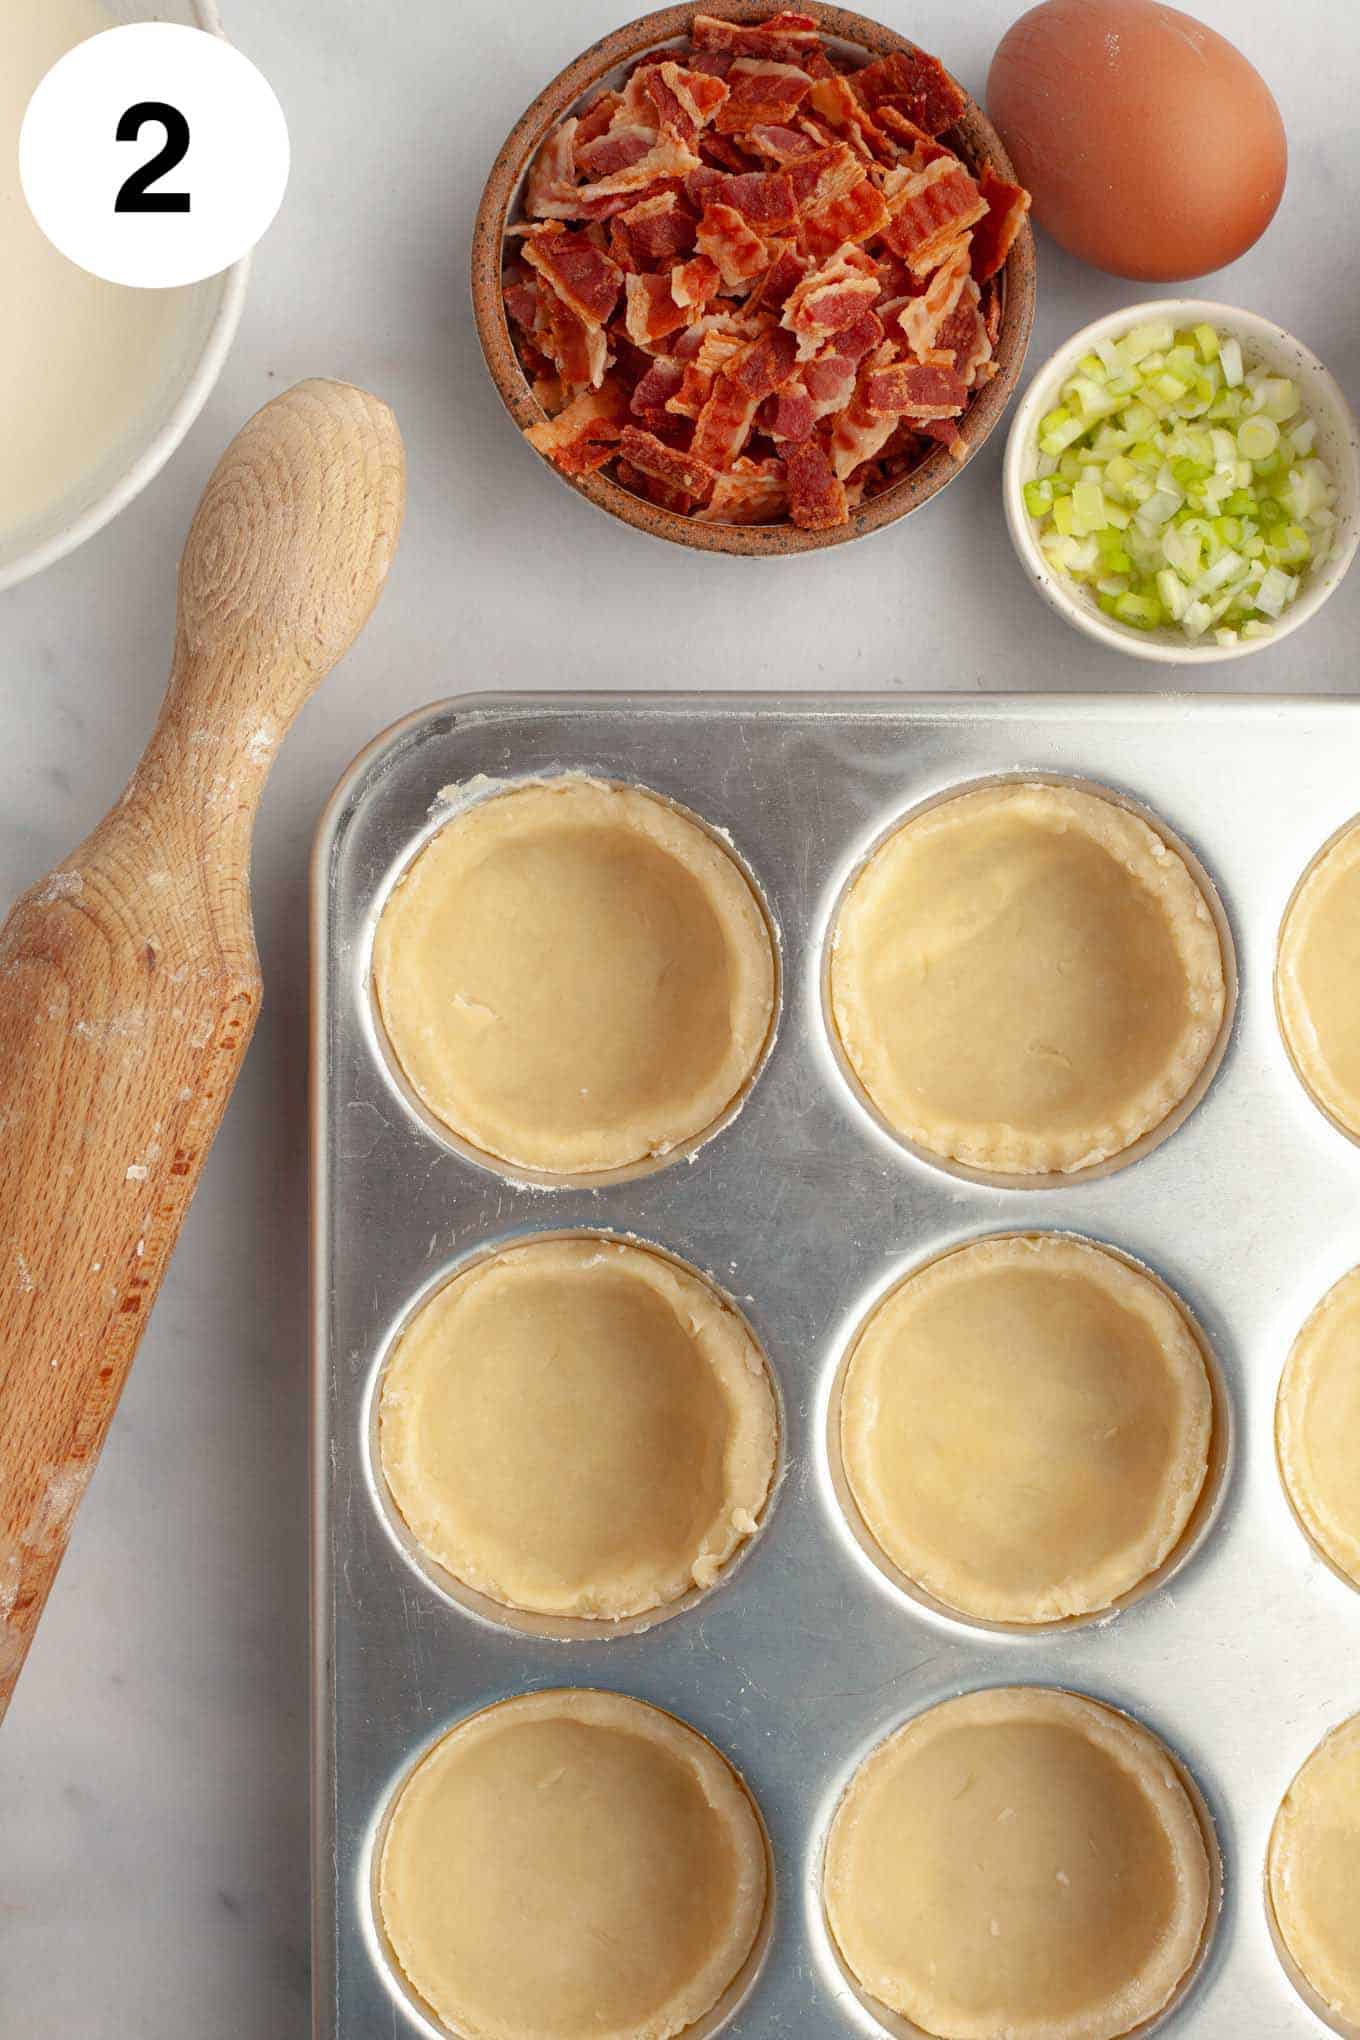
804,1210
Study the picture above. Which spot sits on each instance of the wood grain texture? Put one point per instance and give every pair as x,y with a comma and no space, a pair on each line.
129,982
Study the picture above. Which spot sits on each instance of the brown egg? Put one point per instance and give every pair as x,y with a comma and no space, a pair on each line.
1151,146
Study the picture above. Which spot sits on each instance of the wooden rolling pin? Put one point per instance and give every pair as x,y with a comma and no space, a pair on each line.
129,982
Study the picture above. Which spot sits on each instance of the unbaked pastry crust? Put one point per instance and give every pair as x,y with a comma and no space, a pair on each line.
1317,980
574,976
578,1427
572,1866
1020,1862
1027,979
1317,1427
1025,1427
1314,1872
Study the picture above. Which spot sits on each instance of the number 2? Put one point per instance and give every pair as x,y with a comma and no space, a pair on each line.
136,195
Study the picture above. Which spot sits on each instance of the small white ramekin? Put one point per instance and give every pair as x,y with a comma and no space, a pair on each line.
1338,443
204,345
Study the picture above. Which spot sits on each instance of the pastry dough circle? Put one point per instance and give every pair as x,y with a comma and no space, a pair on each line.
1317,1426
575,976
1020,1861
1317,980
1314,1872
1025,1427
1026,978
578,1427
572,1864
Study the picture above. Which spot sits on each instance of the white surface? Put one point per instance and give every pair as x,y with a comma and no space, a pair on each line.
153,1770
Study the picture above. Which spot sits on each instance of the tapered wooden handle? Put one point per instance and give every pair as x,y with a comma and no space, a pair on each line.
128,978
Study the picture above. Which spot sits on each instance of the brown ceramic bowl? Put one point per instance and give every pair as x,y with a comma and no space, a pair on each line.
975,138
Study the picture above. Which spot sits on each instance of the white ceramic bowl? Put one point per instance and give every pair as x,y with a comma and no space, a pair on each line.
1338,443
203,342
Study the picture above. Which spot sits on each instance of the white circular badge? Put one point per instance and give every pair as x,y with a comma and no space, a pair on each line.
154,155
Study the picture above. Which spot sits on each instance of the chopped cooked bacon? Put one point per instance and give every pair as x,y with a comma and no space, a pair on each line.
521,301
761,91
828,173
584,436
685,101
786,269
786,37
946,433
618,149
830,298
782,144
816,495
751,492
923,315
917,84
655,391
652,311
930,208
755,284
653,233
1007,205
598,116
693,283
550,192
667,157
672,465
915,389
586,279
737,248
857,215
964,337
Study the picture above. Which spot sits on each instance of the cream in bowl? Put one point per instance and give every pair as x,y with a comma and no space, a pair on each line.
98,382
1181,481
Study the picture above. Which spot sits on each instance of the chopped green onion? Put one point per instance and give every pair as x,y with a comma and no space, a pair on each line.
1180,484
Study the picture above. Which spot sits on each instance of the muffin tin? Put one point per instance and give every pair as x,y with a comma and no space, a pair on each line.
805,1210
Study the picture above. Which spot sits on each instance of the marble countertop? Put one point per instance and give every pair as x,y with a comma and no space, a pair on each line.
154,1773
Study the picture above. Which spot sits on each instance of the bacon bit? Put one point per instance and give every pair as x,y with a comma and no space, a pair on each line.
694,283
761,92
930,208
787,37
764,197
580,274
685,101
991,308
923,315
915,389
765,365
580,353
1007,205
837,105
827,174
830,383
857,433
723,152
727,240
717,63
792,413
903,132
521,302
787,268
816,497
963,335
945,433
652,233
725,422
667,157
704,184
636,107
686,472
661,382
598,116
550,192
652,311
619,149
782,144
918,83
583,437
751,492
857,215
830,298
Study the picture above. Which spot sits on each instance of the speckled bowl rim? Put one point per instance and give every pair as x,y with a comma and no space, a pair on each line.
502,188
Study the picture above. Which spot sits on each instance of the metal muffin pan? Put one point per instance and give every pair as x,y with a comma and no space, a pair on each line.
805,1210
